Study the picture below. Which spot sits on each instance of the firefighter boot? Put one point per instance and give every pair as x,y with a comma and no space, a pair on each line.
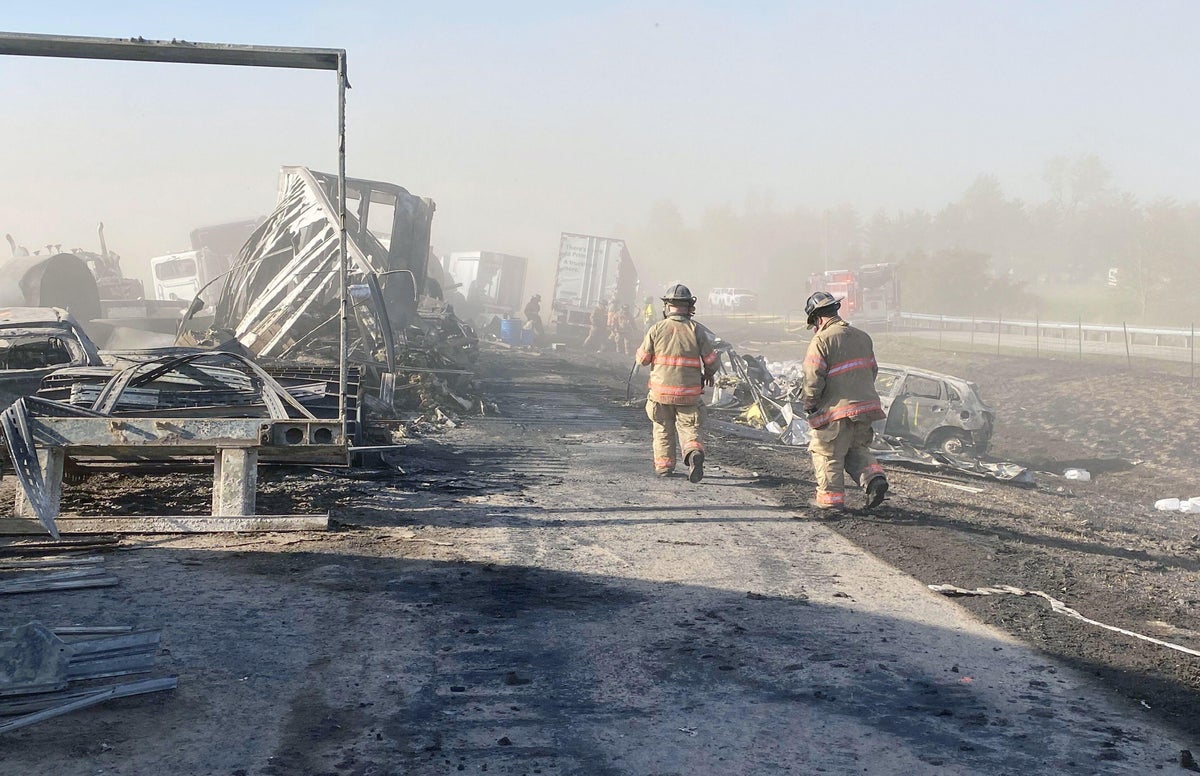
695,464
877,488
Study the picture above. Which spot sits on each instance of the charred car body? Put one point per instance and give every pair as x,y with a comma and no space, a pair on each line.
935,411
938,412
35,341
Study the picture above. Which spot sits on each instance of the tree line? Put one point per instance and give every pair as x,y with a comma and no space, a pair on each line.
1088,250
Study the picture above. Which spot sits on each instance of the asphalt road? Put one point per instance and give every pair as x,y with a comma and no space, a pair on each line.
527,598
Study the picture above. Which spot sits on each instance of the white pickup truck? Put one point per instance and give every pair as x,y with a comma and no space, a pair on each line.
733,299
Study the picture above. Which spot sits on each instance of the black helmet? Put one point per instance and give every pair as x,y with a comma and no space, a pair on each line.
679,293
820,304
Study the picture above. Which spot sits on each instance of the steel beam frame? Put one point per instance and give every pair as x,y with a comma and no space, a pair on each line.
143,50
234,444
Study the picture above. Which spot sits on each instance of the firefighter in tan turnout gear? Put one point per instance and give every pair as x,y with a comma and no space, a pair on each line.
682,360
839,395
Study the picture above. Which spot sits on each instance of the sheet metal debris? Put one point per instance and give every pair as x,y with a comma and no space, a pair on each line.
60,573
38,666
281,302
22,548
272,349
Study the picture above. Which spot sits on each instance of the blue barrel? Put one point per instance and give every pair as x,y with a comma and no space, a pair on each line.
510,330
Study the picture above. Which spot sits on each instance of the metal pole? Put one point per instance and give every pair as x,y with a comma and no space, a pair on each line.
999,325
1128,359
342,281
1081,338
1037,336
1193,345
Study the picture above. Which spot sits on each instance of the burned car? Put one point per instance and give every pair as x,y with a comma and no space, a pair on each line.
35,341
935,411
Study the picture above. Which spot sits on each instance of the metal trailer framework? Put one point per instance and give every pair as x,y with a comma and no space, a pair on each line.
234,442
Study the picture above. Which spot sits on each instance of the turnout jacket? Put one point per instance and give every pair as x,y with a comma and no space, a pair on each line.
839,375
680,355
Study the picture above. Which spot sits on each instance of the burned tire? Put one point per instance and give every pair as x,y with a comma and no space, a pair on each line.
952,443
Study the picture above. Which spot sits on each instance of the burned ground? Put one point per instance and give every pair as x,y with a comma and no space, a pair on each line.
1098,546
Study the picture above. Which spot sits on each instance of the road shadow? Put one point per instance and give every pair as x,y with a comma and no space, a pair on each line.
514,664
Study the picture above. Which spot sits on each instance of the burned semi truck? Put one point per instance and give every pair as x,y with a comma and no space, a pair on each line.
590,270
280,301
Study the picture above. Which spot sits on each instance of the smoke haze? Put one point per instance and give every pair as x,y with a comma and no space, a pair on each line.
772,134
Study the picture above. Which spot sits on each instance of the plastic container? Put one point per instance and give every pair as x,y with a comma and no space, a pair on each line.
1083,475
1167,505
510,331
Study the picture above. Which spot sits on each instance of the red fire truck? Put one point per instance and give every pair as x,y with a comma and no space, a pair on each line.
870,293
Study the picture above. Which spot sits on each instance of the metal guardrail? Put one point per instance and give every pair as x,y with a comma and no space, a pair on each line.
1159,343
1163,336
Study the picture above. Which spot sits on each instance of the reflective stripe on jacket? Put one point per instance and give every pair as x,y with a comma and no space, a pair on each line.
839,375
680,353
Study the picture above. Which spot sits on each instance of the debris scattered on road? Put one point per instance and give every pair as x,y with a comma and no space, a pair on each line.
38,664
38,576
954,485
93,543
1191,505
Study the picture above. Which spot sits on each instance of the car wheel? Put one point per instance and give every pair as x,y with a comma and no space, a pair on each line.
953,443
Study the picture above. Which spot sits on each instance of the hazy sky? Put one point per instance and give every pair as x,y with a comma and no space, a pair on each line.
522,120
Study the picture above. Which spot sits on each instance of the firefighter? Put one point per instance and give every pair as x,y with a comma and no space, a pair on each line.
626,331
533,316
840,398
614,326
682,361
598,332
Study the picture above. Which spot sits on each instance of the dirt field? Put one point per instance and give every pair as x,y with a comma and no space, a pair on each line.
521,597
1099,546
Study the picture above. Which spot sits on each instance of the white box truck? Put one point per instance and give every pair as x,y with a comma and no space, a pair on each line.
590,270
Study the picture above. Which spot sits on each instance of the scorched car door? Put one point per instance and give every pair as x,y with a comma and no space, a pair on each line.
917,410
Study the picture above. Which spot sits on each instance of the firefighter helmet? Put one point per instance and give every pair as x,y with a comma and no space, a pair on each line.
820,304
678,292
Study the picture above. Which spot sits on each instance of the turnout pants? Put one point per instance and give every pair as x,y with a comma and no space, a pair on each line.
597,336
838,449
671,420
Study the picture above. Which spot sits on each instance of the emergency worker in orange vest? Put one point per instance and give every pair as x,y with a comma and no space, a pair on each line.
614,325
839,395
682,358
